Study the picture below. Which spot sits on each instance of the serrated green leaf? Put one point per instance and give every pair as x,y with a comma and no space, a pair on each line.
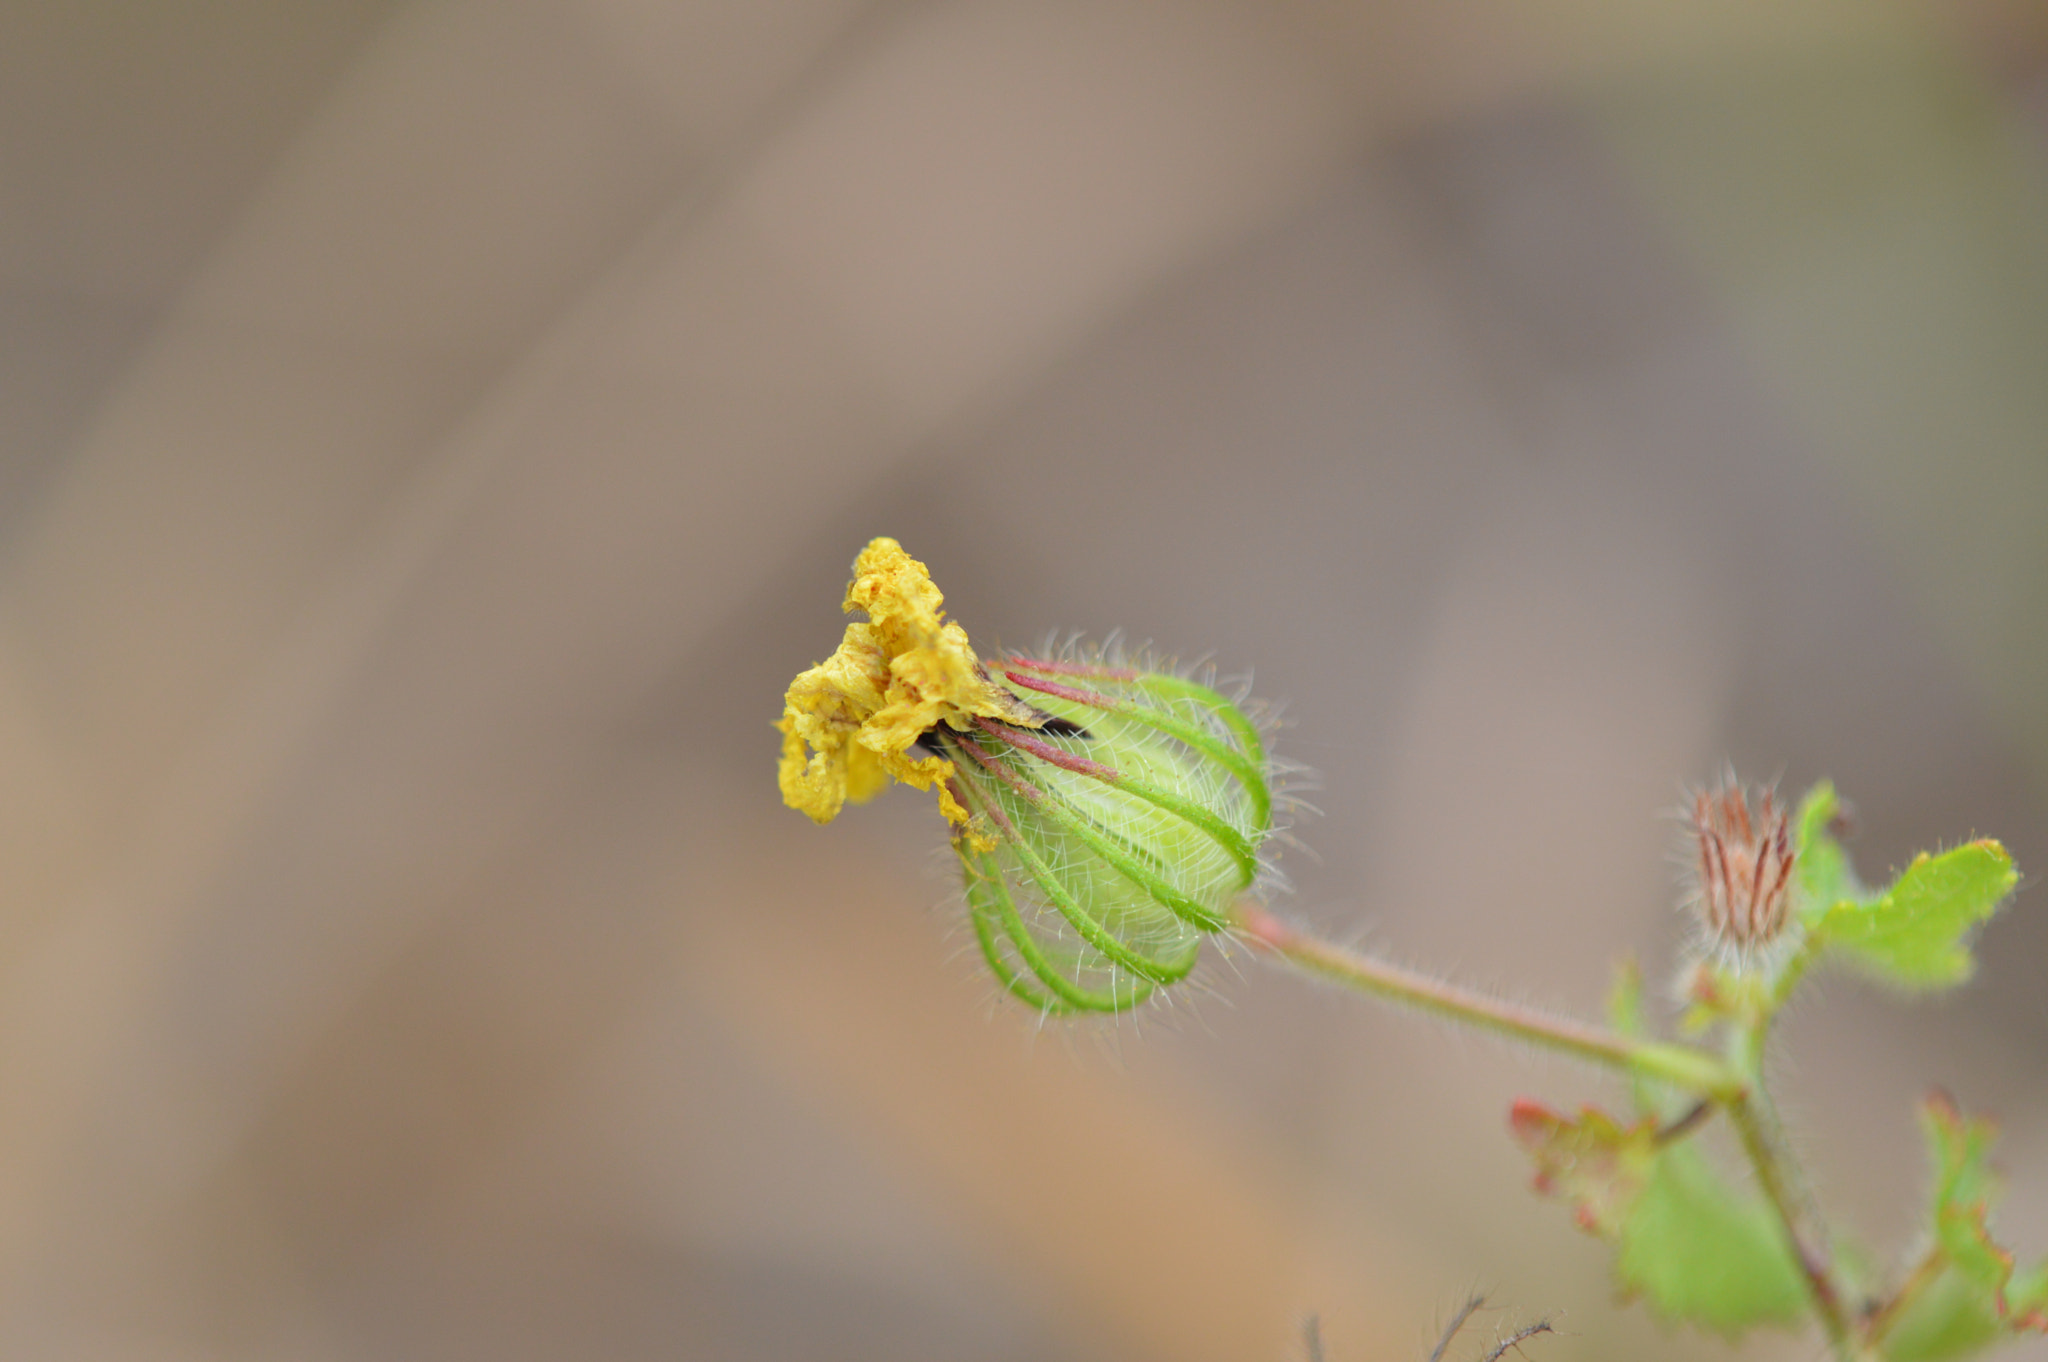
1963,1231
1685,1241
1822,876
1699,1251
1960,1148
2026,1299
1625,999
1949,1318
1594,1162
1969,1296
1916,933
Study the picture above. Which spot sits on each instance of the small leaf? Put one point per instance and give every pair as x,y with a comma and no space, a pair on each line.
1964,1189
1594,1162
1948,1318
1971,1296
1961,1147
1916,933
1625,999
1655,1101
1625,1015
1951,1317
1699,1251
1684,1240
2026,1299
1822,876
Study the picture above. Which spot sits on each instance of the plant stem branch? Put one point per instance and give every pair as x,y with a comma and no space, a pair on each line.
1777,1175
1681,1066
1918,1280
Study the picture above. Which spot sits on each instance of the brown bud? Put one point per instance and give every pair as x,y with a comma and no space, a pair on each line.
1743,863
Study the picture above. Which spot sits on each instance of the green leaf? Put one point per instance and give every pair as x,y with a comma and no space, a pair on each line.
1595,1162
2026,1299
1964,1188
1688,1243
1947,1318
1965,1295
1625,1015
1699,1251
1916,933
1822,876
1625,999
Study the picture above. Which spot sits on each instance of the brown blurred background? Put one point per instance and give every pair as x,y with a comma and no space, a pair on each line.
432,434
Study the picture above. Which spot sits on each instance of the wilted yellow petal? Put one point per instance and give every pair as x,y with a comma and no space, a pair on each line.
850,722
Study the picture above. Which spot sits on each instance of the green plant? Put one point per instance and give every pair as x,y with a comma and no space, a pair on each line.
1110,815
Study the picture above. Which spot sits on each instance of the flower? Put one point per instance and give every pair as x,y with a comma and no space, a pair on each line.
849,723
1105,815
1742,864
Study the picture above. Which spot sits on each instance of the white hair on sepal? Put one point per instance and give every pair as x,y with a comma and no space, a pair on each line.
1100,888
1286,778
1736,858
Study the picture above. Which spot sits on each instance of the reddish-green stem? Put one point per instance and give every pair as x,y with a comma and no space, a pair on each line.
1681,1066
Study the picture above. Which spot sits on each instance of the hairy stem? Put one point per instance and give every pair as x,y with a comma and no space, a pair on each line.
1681,1066
1785,1187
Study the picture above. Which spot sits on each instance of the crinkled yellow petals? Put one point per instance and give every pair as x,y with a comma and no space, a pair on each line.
849,723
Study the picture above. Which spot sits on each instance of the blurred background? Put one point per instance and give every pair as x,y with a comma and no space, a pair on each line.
432,435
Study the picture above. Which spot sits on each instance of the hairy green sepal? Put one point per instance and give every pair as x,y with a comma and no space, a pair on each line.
1103,880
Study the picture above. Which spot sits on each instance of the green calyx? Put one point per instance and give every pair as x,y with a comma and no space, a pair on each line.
1108,842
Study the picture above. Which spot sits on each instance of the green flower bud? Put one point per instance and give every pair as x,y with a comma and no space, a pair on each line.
1107,839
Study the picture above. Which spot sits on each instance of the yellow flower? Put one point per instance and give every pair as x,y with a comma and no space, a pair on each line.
1106,813
849,723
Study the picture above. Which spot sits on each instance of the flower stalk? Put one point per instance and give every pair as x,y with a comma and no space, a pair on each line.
1682,1066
